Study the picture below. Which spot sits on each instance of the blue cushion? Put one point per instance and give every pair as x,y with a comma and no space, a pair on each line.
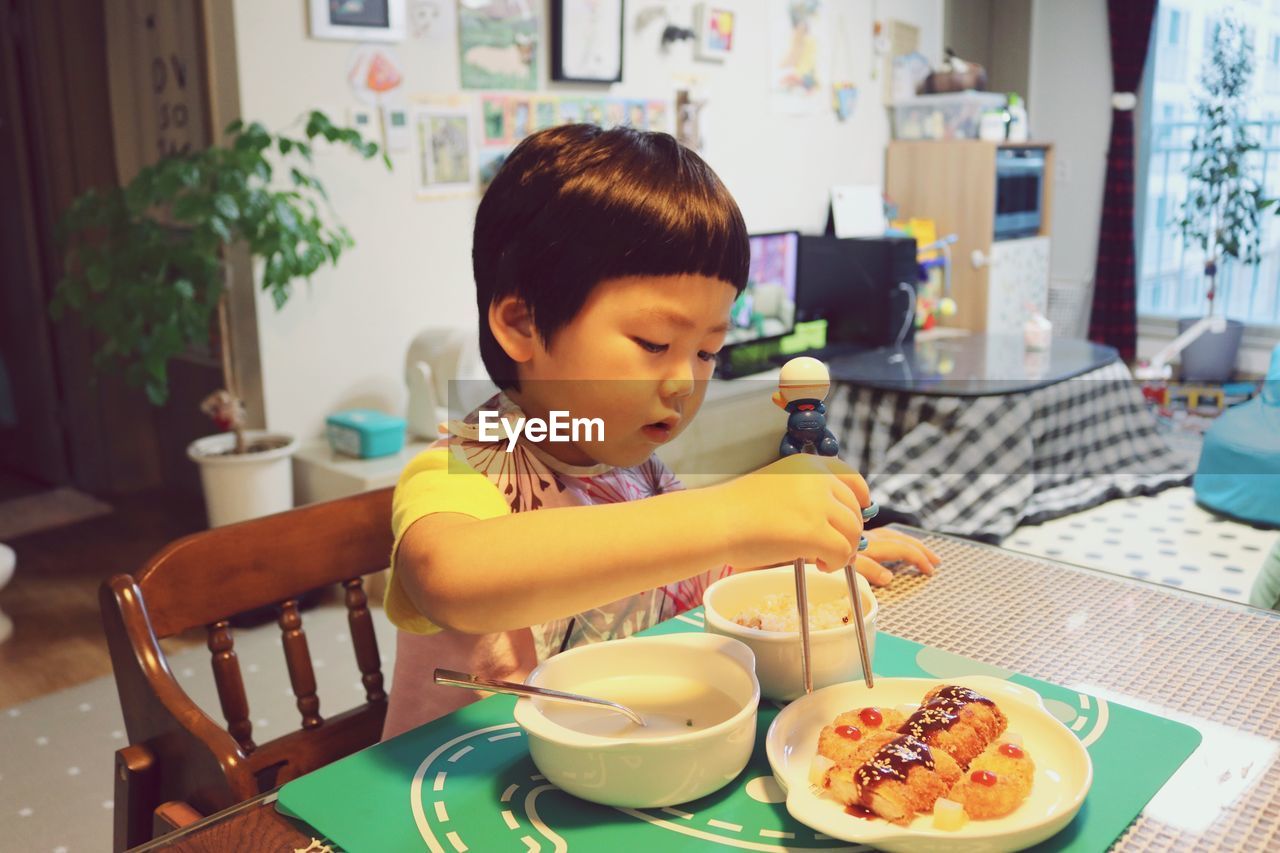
1239,470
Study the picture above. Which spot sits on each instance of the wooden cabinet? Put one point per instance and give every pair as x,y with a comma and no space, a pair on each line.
953,183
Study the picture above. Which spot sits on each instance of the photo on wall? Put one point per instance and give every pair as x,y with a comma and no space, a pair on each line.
800,55
498,44
715,32
493,110
586,41
446,150
358,20
490,161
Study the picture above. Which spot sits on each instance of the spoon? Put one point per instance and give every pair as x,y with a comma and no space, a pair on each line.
450,678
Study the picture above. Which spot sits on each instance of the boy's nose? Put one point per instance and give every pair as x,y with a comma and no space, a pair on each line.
675,387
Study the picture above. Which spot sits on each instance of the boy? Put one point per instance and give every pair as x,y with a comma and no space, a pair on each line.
606,263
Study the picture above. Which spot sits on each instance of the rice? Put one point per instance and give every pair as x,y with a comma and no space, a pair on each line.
778,613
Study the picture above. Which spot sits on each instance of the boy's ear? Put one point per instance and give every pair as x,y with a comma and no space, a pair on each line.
511,322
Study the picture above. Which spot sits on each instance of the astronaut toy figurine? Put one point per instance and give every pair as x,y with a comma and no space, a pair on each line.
802,386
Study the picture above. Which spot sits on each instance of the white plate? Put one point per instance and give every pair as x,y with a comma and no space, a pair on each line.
1063,769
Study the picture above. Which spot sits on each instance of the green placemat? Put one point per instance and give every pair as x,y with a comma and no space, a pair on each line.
465,782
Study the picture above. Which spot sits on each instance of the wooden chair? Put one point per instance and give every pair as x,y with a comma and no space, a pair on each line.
180,763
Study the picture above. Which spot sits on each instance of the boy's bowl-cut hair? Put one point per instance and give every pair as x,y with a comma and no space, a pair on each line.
576,205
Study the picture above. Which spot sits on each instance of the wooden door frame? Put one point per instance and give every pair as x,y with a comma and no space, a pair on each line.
115,441
35,445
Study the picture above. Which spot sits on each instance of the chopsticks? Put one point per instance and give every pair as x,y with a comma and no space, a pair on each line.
868,513
802,608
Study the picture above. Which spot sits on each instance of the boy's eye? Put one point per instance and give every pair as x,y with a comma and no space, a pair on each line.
713,357
650,346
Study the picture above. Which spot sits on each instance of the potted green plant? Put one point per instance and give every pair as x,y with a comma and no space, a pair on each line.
1221,215
146,271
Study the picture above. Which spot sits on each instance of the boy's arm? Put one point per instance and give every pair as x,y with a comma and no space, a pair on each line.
498,574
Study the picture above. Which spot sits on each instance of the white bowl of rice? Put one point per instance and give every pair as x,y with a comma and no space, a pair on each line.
759,609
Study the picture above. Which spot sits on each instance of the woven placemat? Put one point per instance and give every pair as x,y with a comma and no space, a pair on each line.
1191,654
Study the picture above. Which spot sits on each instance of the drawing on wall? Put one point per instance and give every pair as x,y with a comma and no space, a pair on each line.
494,114
464,141
373,72
545,113
358,20
586,41
445,150
518,118
844,100
715,33
432,20
658,116
396,131
615,113
799,53
689,106
490,161
498,44
571,111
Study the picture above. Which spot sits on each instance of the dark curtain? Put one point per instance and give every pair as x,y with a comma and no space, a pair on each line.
1114,320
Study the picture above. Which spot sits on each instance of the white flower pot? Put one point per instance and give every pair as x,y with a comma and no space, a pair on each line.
240,486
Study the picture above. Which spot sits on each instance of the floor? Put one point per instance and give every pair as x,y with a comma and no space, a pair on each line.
1166,538
15,485
70,736
53,597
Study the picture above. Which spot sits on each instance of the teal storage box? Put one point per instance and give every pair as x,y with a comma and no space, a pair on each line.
365,433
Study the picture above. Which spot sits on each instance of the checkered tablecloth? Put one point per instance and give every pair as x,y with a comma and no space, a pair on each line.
980,466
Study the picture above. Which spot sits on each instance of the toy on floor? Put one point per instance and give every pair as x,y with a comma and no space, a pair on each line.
1193,393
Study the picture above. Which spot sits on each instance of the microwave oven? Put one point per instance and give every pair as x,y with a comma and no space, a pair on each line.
1019,192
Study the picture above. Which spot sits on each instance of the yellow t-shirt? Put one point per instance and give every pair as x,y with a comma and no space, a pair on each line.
430,485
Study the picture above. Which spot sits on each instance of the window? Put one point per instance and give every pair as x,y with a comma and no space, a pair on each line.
1270,68
1171,64
1171,281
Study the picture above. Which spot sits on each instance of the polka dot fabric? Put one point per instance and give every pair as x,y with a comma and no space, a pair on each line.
1165,539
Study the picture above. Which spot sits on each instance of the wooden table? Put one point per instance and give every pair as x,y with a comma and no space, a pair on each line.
1207,662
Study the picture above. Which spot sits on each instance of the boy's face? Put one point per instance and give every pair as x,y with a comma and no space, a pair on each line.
638,356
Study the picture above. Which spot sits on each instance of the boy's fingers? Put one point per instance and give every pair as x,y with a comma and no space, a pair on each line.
850,478
834,551
876,574
901,550
887,533
848,500
848,523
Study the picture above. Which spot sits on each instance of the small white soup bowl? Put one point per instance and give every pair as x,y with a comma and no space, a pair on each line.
833,651
652,771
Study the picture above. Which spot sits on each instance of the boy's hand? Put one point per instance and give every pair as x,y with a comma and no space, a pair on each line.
802,506
890,546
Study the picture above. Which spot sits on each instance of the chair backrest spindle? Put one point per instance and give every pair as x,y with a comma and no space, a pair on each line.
297,658
230,684
364,641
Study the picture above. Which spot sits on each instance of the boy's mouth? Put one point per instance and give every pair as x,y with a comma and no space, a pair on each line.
660,431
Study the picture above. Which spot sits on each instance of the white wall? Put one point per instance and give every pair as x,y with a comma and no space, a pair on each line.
341,342
1069,104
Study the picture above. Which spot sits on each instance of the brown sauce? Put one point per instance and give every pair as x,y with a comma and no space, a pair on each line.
894,760
942,711
860,811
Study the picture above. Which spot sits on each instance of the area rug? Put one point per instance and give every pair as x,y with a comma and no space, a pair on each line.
57,760
47,510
